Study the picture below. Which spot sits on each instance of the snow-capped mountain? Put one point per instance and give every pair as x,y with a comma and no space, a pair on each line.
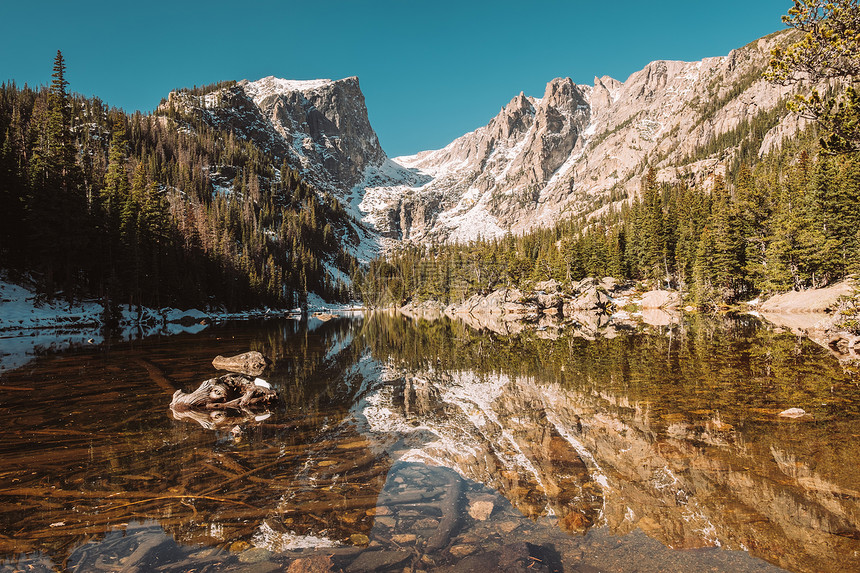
574,150
320,127
580,147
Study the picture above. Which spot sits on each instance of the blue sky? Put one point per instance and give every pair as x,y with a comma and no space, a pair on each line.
430,71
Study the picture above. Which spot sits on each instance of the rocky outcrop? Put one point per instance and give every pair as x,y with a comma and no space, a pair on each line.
543,306
588,295
660,299
828,316
503,301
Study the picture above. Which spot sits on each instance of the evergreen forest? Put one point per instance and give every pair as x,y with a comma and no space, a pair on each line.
789,221
157,210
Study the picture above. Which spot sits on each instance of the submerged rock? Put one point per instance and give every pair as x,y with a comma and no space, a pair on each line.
481,510
793,413
312,564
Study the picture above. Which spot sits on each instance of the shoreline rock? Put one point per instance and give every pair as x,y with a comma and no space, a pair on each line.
589,305
820,315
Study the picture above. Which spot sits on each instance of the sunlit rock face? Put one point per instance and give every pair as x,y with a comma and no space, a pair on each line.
594,458
580,147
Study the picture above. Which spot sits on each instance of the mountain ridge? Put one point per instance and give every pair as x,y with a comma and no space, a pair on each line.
570,152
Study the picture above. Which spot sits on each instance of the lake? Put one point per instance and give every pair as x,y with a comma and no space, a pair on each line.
414,445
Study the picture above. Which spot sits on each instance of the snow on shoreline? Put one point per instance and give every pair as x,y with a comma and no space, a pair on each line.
30,327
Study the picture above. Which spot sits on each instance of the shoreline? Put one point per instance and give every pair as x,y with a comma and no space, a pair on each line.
30,328
823,315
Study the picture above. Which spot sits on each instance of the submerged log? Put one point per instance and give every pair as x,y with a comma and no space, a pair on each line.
251,363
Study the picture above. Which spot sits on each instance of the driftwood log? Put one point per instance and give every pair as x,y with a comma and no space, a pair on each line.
226,400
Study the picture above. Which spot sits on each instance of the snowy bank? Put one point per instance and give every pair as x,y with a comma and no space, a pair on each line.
30,326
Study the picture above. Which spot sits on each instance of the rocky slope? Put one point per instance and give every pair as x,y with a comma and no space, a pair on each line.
320,127
574,150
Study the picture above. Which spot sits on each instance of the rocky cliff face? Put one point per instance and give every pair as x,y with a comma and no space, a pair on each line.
492,172
320,127
580,147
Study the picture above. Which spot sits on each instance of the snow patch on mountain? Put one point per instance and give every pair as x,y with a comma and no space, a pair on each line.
472,223
272,86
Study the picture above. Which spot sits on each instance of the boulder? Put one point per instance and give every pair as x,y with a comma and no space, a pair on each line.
585,284
793,413
811,300
591,297
549,287
660,299
609,283
549,301
502,301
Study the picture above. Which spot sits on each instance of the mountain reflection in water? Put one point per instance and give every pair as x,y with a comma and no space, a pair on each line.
433,446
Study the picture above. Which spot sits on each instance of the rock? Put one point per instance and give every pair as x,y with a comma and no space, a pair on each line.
251,363
660,299
239,546
255,555
510,302
575,521
609,283
585,284
462,550
427,310
404,538
591,297
388,522
549,287
811,300
507,526
378,560
481,510
513,558
313,564
550,301
793,413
